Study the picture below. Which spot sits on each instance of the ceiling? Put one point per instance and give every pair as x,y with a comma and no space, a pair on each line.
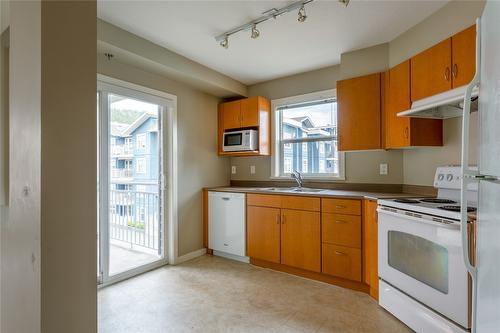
284,47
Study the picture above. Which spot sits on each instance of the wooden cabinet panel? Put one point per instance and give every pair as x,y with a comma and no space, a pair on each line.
250,112
264,200
263,233
463,47
231,115
370,246
431,71
344,262
398,128
341,206
301,239
300,203
359,113
342,230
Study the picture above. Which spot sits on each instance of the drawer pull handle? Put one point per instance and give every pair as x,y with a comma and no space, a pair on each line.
340,253
226,199
340,222
340,206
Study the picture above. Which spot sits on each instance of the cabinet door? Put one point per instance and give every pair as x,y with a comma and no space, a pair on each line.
263,233
231,115
370,240
359,113
341,261
300,239
250,109
431,71
463,47
398,128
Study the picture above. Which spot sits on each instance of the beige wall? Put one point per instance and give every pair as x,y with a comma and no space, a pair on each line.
20,227
420,164
69,159
198,163
361,167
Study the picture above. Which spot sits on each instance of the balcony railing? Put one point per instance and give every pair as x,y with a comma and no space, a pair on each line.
124,150
121,173
134,219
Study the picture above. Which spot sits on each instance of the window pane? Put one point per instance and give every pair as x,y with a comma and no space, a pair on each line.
309,121
419,258
320,157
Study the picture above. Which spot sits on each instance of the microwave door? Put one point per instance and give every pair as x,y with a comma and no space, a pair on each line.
233,141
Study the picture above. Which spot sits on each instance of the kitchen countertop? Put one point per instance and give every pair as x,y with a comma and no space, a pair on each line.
324,193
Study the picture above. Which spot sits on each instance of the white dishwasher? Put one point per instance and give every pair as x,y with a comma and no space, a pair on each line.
226,224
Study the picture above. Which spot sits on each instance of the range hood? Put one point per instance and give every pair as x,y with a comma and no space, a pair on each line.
448,104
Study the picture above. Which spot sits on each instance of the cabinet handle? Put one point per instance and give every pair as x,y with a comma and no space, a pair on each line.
340,222
340,206
283,219
447,73
406,132
340,253
455,71
278,219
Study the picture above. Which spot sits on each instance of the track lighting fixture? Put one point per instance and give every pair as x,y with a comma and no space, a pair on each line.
344,2
255,32
302,14
225,42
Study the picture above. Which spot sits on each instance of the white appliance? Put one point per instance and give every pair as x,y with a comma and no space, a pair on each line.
226,224
244,140
486,273
423,279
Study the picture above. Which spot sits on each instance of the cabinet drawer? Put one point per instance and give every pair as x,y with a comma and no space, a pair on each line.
340,261
341,229
301,203
264,200
341,206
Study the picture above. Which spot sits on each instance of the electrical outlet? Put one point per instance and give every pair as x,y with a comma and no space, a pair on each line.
384,170
233,170
252,169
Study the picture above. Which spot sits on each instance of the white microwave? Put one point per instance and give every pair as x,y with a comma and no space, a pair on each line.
244,140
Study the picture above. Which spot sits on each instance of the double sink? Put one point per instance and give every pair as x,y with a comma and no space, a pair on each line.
290,189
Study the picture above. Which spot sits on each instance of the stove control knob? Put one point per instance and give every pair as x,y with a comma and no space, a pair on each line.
449,177
440,177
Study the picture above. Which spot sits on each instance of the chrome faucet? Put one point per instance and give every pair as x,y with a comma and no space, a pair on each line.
297,177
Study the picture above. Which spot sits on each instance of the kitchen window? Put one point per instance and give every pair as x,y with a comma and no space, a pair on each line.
305,137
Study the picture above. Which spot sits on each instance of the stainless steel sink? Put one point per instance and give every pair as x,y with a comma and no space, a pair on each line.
293,189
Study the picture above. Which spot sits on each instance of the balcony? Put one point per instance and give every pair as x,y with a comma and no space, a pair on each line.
121,173
134,229
122,152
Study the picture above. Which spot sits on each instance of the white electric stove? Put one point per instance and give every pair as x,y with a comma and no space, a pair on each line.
423,278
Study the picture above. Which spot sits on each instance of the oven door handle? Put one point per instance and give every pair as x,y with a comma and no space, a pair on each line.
418,219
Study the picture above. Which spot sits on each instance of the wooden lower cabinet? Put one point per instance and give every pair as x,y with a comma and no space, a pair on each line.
301,239
263,233
342,261
370,246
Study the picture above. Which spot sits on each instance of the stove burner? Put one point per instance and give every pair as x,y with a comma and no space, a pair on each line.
457,208
438,201
409,201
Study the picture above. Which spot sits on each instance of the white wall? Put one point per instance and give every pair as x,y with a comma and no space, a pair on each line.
20,229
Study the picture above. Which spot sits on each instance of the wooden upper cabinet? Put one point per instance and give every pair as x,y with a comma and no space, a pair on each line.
431,71
231,115
249,113
359,113
463,47
263,233
370,246
301,239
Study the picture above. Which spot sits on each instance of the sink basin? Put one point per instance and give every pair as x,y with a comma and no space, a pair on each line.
292,189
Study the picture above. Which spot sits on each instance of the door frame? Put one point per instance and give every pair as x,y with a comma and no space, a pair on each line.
168,179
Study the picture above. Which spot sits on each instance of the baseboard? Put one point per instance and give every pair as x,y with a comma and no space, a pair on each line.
231,256
190,255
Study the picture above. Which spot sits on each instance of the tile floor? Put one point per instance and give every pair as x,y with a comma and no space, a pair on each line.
212,294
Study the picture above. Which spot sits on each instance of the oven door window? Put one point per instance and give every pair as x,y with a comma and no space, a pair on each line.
419,258
233,140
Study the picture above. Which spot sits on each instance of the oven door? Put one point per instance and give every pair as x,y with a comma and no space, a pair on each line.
234,141
423,259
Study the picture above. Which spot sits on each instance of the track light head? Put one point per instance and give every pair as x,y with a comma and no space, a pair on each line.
344,2
302,14
255,32
225,42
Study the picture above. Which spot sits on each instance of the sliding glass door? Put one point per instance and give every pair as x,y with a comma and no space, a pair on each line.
131,186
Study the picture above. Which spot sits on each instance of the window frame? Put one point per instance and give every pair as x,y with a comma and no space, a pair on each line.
276,129
143,138
143,161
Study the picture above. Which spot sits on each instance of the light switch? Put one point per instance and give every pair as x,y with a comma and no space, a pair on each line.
233,170
252,169
383,169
